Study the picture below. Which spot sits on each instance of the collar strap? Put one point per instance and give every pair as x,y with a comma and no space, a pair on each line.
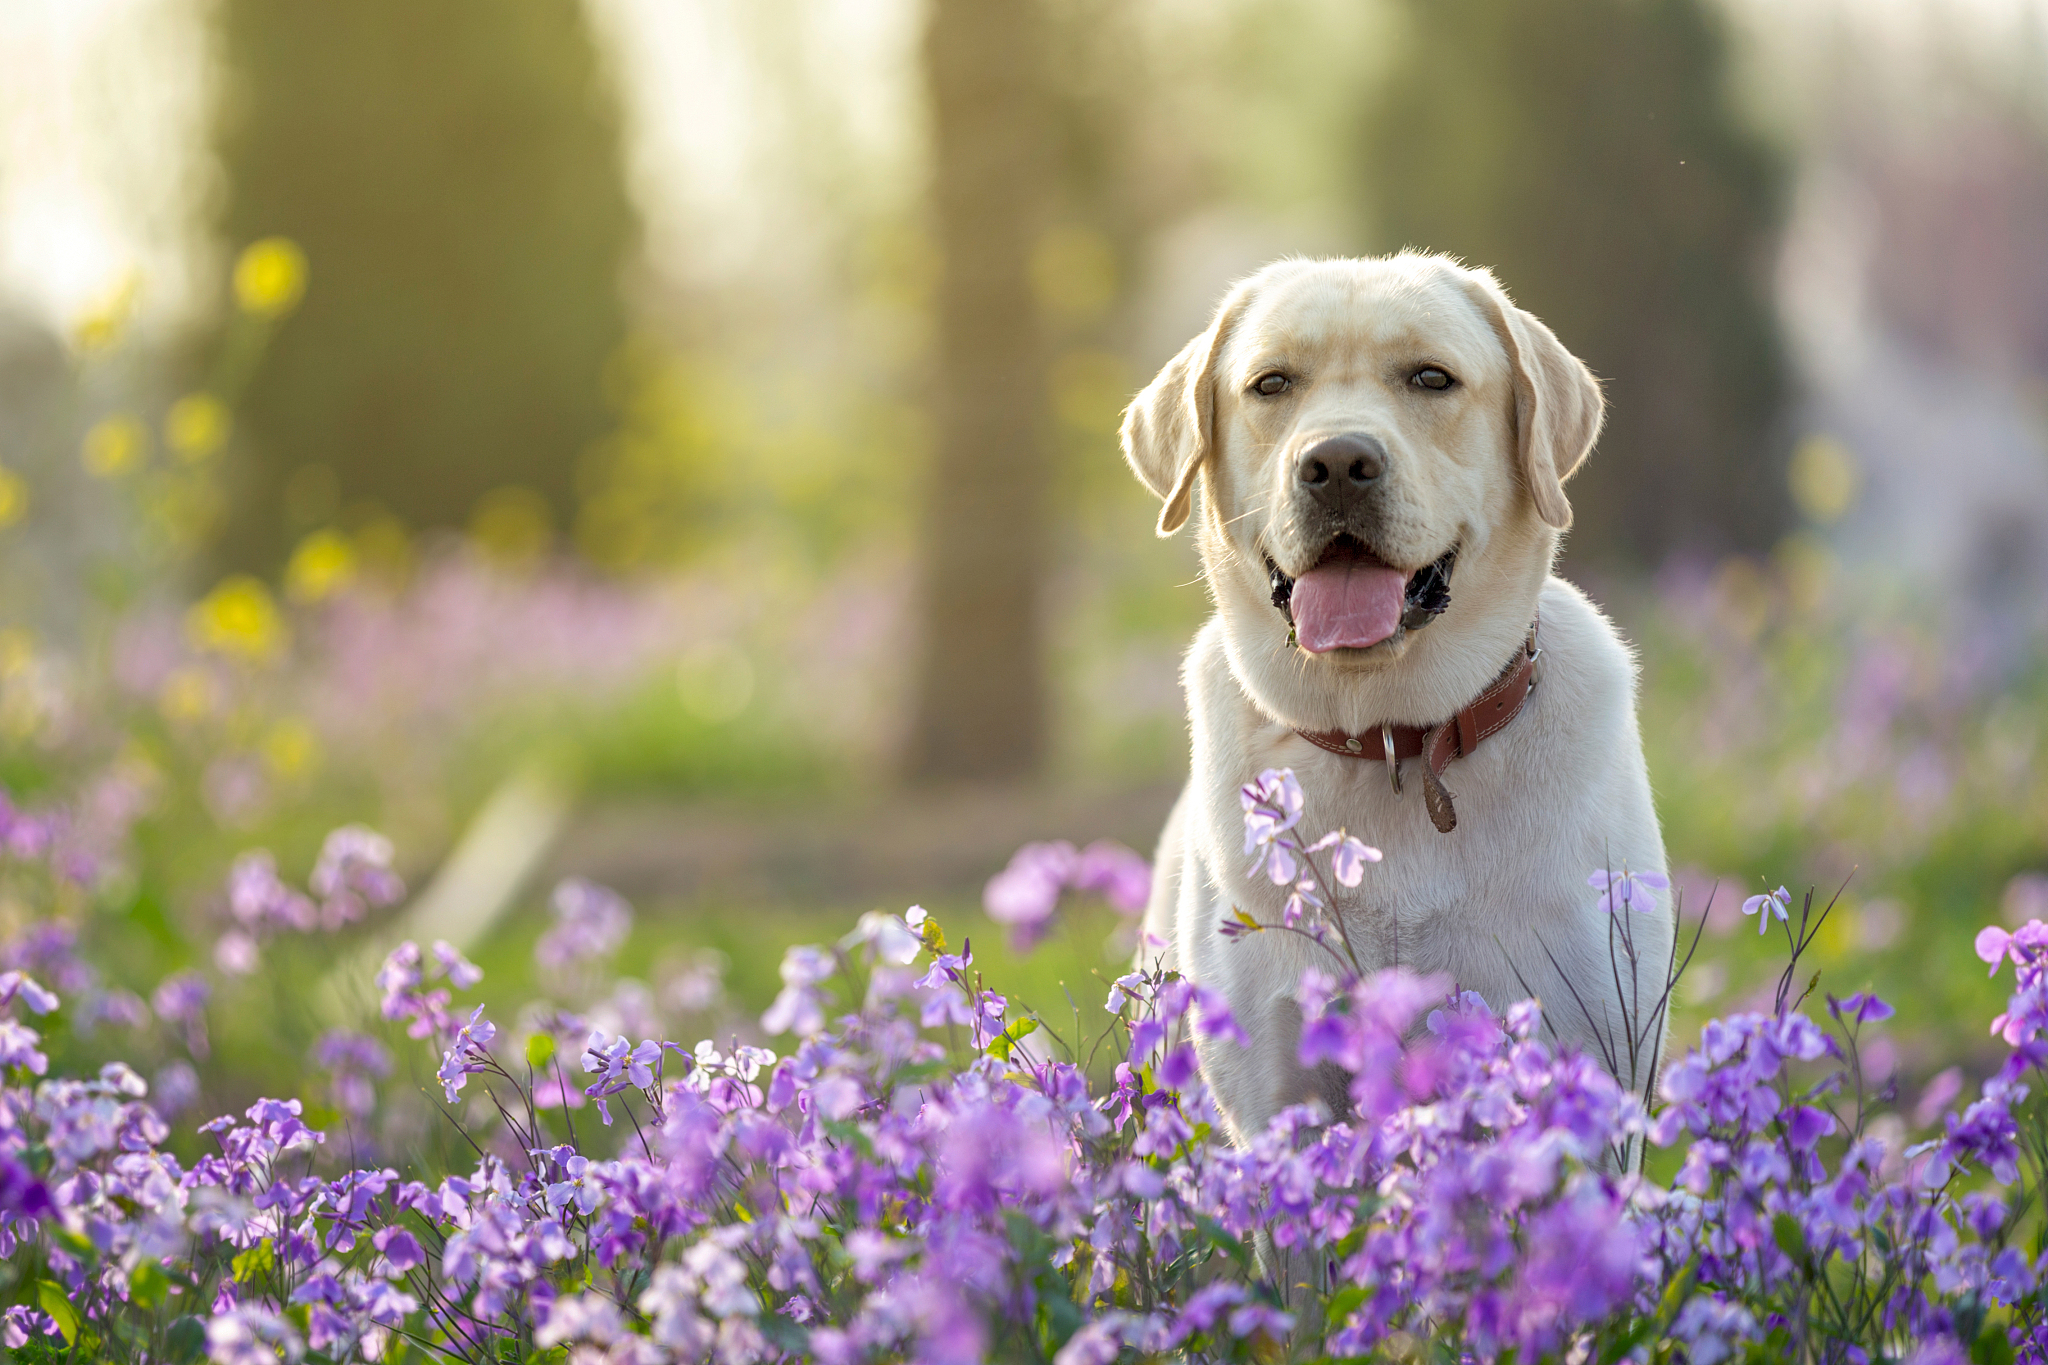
1488,714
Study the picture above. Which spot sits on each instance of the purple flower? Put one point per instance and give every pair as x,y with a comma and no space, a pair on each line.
1275,861
20,986
1178,1068
354,1061
1350,859
1628,890
236,953
799,1008
1213,1017
259,900
1860,1008
1769,904
1272,806
893,939
1941,1092
1991,945
1024,895
1805,1126
460,971
620,1065
353,875
467,1055
1120,876
21,1194
591,922
181,999
400,1248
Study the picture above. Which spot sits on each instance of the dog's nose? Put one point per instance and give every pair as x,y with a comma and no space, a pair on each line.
1339,470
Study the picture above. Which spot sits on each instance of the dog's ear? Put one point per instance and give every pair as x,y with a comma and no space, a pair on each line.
1169,429
1558,404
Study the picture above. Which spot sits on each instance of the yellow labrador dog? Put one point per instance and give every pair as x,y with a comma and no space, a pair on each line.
1381,448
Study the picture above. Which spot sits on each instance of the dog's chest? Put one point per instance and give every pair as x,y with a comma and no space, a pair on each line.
1426,879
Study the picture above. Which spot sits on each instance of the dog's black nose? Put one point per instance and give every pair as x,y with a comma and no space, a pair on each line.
1339,470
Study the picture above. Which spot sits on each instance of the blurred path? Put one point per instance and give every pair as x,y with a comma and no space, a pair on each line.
892,852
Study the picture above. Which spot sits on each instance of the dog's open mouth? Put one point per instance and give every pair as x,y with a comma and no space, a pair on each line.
1352,599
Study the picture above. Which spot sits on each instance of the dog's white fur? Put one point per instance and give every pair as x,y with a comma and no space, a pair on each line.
1560,792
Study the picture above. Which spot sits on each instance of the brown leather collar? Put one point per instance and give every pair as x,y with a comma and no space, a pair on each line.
1487,714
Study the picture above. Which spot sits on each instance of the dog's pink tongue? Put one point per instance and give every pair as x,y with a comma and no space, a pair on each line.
1347,603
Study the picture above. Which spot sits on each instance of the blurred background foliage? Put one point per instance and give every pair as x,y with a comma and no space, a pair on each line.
674,441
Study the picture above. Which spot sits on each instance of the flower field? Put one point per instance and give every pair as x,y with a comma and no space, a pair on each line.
260,1104
919,1167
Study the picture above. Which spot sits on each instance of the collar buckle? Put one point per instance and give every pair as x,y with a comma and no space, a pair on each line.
1393,763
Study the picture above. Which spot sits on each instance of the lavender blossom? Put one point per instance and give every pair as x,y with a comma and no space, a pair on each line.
1763,907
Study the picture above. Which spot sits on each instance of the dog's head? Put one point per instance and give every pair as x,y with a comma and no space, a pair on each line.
1382,447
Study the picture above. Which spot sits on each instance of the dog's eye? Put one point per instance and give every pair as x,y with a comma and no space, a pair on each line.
1271,384
1430,377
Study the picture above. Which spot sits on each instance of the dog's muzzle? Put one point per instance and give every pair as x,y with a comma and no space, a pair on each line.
1427,596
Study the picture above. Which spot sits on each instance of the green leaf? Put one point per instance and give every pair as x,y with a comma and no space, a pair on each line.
787,1335
185,1340
1625,1341
1790,1237
1222,1238
57,1303
148,1285
74,1243
540,1050
1342,1305
1005,1042
1676,1293
257,1260
1992,1347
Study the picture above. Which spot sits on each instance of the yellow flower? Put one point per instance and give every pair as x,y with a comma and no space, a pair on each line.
323,565
291,748
13,497
115,446
270,277
239,619
196,426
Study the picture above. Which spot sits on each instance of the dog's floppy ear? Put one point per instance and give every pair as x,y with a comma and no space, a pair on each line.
1558,404
1169,429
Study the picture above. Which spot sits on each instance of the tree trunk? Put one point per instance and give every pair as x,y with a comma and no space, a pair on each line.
981,694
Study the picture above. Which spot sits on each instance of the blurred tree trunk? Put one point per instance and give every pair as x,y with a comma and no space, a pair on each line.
981,693
1590,152
453,171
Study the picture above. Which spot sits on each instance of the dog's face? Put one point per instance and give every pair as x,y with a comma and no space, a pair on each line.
1382,446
